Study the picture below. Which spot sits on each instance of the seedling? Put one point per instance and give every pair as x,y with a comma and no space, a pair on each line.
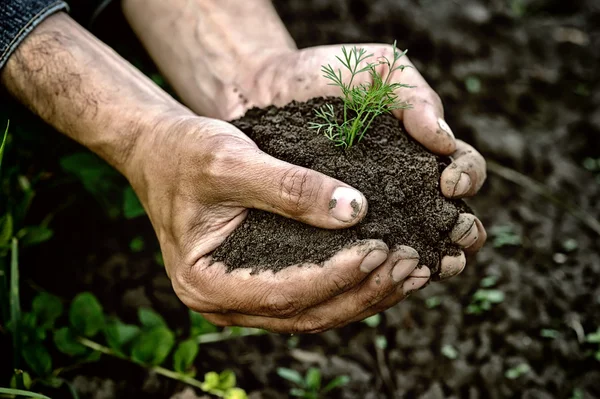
450,352
505,235
309,386
363,102
594,338
483,299
517,371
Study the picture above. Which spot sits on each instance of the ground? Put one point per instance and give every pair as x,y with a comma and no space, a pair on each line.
519,80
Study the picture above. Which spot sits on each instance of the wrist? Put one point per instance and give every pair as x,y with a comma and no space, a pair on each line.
210,51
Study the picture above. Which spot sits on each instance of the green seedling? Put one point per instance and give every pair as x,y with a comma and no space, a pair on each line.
517,371
594,338
449,352
549,333
433,302
363,102
483,299
373,321
309,386
505,236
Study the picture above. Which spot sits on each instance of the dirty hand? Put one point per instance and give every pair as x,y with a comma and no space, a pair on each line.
197,177
227,57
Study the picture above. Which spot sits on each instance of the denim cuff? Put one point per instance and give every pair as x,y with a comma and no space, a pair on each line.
19,18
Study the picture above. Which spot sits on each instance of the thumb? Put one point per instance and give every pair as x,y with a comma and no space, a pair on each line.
299,193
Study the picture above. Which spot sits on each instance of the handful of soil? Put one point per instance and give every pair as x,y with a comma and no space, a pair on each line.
398,176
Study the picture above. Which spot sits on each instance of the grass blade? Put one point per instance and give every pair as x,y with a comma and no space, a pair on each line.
3,143
19,392
15,304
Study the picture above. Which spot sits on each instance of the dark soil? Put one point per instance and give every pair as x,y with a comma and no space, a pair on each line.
398,176
520,80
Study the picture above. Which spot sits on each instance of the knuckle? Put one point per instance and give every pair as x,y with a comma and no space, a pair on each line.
300,187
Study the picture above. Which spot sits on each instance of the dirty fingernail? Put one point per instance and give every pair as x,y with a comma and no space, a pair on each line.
373,260
345,204
403,268
463,186
444,126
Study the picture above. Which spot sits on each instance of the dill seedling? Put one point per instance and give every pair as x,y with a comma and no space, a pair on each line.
362,102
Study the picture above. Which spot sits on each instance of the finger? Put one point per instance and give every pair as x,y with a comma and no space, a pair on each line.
468,232
208,287
345,307
450,266
414,282
424,119
295,192
481,239
466,174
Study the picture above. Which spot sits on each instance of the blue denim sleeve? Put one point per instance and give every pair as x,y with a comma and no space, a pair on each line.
17,20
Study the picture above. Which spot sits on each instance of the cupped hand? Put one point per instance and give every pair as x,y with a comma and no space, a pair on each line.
197,177
288,74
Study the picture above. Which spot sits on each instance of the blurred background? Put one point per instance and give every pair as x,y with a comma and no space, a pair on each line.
520,81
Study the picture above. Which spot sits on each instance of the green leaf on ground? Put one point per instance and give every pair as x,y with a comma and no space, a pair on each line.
37,358
153,346
119,334
185,354
46,308
336,382
449,352
235,393
150,319
313,379
66,342
199,325
86,314
32,235
517,371
291,375
132,207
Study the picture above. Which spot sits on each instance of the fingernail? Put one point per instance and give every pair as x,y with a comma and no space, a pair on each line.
345,204
373,260
444,126
463,186
403,268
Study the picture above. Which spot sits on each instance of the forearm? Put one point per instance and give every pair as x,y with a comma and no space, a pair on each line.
85,90
209,50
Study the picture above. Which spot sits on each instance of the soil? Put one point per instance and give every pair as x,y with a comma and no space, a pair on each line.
398,176
520,80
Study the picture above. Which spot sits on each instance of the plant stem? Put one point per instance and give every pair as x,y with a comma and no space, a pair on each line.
157,369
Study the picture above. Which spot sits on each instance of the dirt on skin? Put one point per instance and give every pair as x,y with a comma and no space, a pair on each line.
398,176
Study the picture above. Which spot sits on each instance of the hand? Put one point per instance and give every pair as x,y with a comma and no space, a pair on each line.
295,75
197,177
226,58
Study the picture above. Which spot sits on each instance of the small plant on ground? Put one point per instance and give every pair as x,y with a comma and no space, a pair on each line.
505,235
309,386
483,299
594,338
518,371
363,102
